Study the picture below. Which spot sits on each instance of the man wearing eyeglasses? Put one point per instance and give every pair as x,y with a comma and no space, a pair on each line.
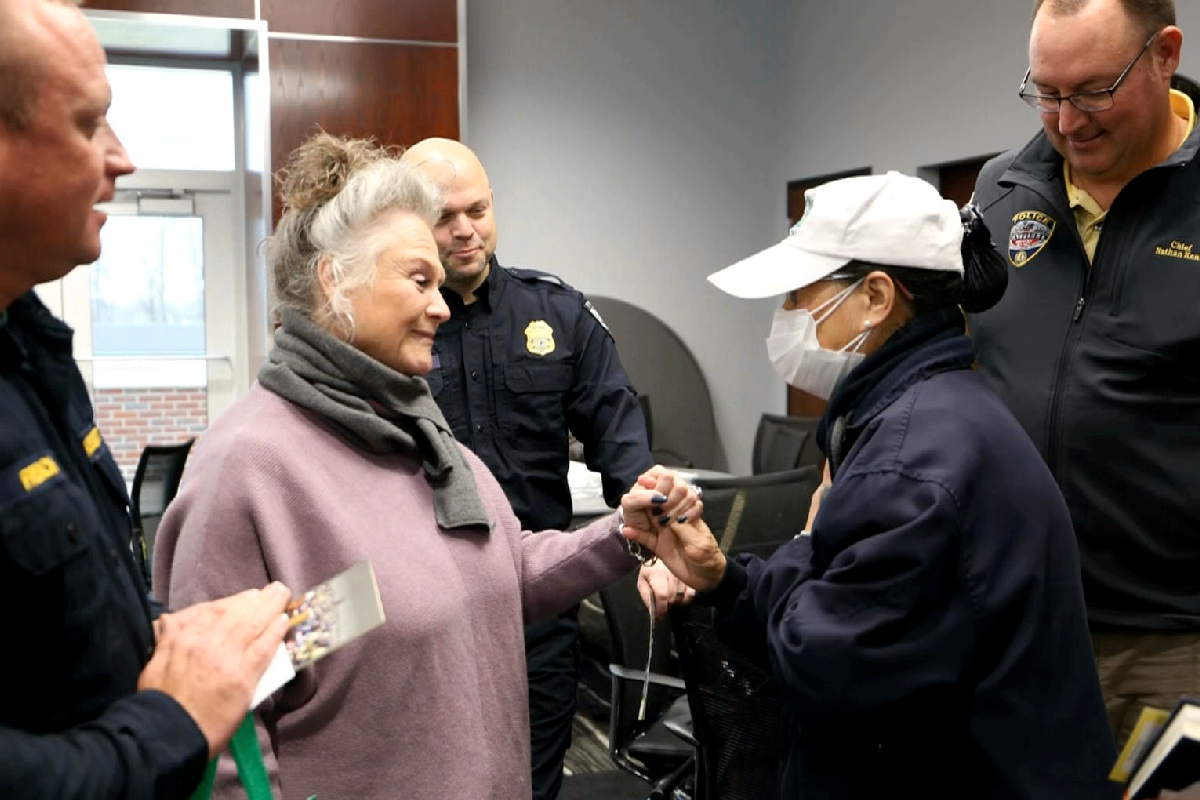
1096,345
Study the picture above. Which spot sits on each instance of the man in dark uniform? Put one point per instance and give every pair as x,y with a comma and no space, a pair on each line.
523,359
99,700
1093,346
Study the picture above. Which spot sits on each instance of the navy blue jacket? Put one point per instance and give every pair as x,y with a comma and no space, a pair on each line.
930,633
513,371
77,621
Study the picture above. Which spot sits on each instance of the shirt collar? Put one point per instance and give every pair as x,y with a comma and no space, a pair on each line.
483,293
1183,107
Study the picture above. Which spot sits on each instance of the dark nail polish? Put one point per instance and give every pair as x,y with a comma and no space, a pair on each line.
658,498
665,519
682,519
656,510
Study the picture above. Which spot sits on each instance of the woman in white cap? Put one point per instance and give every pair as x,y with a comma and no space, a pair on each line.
929,631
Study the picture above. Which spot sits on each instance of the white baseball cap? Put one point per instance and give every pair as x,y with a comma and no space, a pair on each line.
890,219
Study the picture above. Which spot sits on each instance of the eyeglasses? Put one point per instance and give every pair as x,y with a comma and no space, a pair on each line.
1087,102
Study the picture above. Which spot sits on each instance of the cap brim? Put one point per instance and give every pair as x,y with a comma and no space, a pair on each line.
775,271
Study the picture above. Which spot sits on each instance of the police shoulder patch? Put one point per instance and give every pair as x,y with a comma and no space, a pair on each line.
592,310
1030,232
535,275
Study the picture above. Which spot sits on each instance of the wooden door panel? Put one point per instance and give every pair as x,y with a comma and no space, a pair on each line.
239,9
417,20
397,94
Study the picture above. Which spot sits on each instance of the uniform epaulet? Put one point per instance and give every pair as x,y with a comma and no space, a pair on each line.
535,275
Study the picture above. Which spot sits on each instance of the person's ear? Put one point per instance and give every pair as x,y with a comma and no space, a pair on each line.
1165,50
880,292
325,276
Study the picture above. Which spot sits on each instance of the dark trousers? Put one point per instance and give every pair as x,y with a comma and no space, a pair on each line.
552,659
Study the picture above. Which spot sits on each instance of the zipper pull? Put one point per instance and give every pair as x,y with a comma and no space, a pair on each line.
1078,310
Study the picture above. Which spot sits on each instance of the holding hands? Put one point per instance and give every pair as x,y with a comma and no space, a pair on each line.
662,514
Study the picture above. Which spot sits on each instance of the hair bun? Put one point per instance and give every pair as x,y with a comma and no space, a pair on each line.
985,272
318,169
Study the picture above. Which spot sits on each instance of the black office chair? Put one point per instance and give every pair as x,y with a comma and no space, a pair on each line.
757,513
783,443
155,482
737,713
659,748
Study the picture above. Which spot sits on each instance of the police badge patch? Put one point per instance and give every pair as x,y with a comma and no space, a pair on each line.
592,310
1030,232
539,338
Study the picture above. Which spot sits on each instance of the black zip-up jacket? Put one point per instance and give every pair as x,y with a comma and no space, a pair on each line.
77,624
1101,366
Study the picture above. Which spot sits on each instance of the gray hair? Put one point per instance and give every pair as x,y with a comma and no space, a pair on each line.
345,229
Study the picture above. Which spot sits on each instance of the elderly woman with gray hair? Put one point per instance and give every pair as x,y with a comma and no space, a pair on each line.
339,454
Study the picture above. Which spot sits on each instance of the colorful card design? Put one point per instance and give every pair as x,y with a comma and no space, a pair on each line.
323,619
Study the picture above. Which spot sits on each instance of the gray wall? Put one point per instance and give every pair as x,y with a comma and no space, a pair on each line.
636,146
632,149
905,85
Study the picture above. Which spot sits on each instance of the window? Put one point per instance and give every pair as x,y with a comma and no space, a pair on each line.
147,289
173,118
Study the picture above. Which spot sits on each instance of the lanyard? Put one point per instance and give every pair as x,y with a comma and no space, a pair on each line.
248,757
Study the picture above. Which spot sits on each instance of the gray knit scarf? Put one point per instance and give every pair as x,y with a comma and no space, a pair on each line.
378,409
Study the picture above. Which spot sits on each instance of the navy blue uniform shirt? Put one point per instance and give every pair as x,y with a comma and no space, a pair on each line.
513,371
77,620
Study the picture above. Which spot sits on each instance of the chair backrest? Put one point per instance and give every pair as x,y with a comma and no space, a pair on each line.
684,423
738,713
629,636
758,512
155,483
783,443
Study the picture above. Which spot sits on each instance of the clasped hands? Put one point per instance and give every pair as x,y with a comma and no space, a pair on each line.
662,514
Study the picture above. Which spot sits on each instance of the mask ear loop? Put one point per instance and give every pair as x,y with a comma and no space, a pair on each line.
834,301
857,341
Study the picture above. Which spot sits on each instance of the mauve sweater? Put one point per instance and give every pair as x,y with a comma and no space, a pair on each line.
432,704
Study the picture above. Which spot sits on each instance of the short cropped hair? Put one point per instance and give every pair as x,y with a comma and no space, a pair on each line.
1150,15
20,76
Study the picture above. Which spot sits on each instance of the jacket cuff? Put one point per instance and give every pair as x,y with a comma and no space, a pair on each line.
728,589
175,745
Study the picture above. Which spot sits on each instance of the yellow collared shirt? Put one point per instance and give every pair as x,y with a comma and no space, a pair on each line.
1089,217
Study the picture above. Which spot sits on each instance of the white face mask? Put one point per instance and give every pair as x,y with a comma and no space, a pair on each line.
797,355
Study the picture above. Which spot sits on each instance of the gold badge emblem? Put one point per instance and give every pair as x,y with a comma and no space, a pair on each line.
539,338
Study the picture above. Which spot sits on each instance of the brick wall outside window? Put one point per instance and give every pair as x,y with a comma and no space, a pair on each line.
130,419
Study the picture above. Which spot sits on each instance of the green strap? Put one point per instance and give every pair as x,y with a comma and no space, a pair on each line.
204,790
248,757
249,760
